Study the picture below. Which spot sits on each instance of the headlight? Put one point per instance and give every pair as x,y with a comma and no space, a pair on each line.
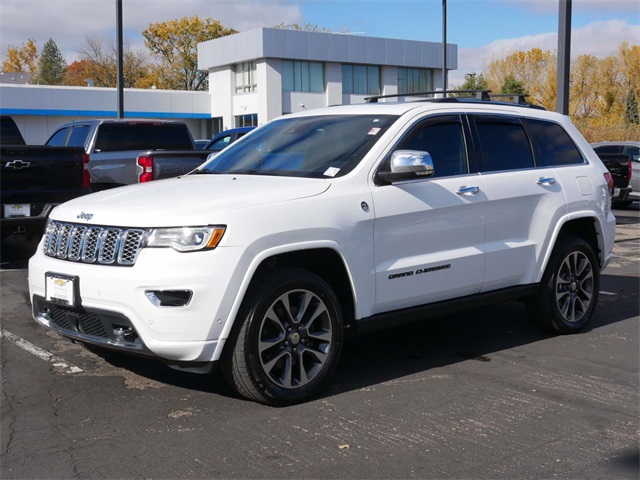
186,239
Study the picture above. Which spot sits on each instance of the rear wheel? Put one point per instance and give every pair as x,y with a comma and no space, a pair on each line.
568,293
289,341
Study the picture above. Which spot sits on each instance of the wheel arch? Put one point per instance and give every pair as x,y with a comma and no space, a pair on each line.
586,227
325,260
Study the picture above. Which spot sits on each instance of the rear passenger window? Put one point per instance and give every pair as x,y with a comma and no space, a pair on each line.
504,143
443,139
78,136
57,139
552,145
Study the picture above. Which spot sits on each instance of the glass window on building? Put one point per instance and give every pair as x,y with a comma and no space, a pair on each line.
413,80
245,74
360,79
298,76
248,120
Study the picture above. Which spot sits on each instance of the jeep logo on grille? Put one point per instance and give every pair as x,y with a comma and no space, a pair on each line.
85,216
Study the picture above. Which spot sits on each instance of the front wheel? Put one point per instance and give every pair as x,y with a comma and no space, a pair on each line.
289,341
568,292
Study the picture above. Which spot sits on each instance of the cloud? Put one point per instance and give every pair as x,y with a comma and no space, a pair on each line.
598,38
68,22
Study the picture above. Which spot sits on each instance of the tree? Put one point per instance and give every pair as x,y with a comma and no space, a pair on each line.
512,86
52,64
175,44
22,60
102,62
533,68
78,72
473,82
632,116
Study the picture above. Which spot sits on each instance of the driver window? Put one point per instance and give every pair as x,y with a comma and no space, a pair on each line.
444,140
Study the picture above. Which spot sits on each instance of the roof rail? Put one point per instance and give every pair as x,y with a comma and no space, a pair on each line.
478,94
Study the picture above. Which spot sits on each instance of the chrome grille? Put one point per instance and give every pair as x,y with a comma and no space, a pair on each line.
91,244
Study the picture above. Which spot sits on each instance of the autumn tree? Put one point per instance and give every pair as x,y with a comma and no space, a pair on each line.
175,45
533,68
77,72
102,61
22,59
52,64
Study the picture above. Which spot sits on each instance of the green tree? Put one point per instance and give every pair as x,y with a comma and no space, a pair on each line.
175,44
473,82
512,86
52,65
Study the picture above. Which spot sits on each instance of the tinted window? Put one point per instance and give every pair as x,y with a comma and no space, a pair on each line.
552,145
116,137
504,143
610,149
444,140
9,133
57,139
634,152
78,136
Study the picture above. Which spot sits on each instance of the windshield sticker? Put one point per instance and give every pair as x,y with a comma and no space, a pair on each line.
331,172
374,131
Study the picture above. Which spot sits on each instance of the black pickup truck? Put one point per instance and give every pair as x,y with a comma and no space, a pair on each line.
619,165
34,179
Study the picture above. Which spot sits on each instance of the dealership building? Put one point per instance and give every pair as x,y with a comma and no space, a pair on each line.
254,76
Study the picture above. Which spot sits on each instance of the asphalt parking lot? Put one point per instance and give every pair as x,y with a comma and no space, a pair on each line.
477,395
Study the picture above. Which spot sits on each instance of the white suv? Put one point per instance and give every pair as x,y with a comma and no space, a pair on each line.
335,220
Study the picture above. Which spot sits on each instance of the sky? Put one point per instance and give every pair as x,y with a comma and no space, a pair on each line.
482,29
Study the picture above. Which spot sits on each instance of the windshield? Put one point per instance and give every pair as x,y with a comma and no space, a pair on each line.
317,146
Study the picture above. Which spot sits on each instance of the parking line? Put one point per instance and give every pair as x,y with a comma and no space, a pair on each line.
40,353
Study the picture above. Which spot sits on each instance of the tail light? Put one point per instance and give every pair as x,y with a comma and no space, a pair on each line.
630,169
609,179
86,176
146,163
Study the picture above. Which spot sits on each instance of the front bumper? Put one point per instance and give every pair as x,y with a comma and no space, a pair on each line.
113,310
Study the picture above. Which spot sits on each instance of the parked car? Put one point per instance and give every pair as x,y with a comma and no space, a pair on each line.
122,151
201,143
34,179
632,149
226,138
332,221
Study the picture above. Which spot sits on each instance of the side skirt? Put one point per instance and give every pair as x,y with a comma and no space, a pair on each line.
438,309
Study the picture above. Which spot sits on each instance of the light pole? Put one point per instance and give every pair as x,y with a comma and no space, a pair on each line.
120,67
564,56
444,46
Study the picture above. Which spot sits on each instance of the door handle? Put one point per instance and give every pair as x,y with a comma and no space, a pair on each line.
468,190
547,181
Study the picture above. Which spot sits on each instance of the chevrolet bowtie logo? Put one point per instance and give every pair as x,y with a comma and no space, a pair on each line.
17,164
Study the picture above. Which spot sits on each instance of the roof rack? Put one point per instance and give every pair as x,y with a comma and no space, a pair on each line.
515,98
471,96
477,94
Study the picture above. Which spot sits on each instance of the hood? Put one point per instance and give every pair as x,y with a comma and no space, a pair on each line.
189,200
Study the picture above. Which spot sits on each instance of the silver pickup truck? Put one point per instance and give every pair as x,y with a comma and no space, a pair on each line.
123,152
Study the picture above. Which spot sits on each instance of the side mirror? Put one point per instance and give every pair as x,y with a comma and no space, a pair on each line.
407,165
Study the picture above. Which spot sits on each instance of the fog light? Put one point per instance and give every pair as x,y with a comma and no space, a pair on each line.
169,298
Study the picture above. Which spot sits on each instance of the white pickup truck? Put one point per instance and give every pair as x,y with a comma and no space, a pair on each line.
334,220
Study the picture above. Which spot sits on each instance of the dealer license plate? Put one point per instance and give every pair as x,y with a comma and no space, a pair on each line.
13,210
60,289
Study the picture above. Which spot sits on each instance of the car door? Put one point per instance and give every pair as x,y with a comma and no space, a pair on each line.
429,233
522,201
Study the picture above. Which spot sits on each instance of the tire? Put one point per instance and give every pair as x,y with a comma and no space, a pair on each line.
289,340
568,292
